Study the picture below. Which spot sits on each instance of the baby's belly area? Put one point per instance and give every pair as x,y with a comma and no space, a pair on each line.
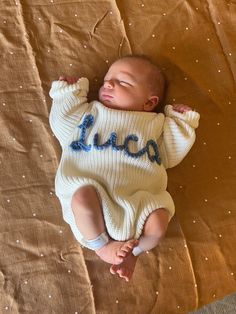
115,172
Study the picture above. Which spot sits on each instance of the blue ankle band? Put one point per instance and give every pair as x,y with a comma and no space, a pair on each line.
98,242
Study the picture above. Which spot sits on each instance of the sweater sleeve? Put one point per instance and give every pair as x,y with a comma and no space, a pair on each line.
178,135
69,104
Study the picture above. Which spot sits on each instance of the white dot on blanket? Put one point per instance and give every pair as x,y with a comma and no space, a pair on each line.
216,178
194,221
220,235
4,21
50,296
218,23
117,301
76,15
231,274
8,201
229,212
196,60
170,267
11,53
23,176
17,241
153,35
6,308
230,54
39,19
208,39
209,90
157,292
173,47
34,214
205,200
186,28
219,70
85,46
142,5
164,14
21,86
4,104
206,258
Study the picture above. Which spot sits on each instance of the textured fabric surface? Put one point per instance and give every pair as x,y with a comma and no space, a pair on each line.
225,306
42,267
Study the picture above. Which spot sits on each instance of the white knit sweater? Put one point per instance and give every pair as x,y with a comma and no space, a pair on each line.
123,154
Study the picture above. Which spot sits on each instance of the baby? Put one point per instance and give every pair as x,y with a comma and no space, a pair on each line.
112,179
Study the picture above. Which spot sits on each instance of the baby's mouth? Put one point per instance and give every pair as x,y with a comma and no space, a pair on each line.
106,97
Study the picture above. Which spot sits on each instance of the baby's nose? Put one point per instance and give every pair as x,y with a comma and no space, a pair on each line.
108,84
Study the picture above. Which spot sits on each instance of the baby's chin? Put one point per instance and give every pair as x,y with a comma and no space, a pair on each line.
109,104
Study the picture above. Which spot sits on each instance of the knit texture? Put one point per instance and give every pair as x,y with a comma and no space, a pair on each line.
123,154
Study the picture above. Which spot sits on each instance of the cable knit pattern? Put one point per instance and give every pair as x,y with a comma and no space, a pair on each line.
123,154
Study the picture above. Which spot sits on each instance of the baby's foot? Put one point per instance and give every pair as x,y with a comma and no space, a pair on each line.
114,252
126,268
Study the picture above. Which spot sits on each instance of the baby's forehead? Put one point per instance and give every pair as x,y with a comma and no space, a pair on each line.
135,66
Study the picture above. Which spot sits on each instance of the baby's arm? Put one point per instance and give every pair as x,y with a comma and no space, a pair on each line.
178,134
69,103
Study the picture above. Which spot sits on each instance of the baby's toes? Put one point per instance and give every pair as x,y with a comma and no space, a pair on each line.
128,246
121,253
114,269
124,273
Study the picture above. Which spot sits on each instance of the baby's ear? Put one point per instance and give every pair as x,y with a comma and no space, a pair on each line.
151,103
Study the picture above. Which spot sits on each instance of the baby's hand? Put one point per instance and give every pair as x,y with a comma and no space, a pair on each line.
68,79
181,108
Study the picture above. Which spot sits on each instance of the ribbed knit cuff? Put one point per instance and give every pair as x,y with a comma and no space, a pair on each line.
190,117
60,88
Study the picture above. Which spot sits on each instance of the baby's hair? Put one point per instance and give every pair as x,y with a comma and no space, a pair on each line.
157,78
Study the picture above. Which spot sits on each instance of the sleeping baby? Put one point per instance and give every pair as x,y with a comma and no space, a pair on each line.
112,180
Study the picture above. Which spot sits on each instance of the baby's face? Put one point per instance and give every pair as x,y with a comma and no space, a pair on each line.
127,86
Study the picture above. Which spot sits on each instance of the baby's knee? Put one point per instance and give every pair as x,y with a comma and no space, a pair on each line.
157,223
83,195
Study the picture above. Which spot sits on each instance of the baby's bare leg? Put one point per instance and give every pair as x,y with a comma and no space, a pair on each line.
154,230
90,222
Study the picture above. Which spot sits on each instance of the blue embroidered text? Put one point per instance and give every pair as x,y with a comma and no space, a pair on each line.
88,121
